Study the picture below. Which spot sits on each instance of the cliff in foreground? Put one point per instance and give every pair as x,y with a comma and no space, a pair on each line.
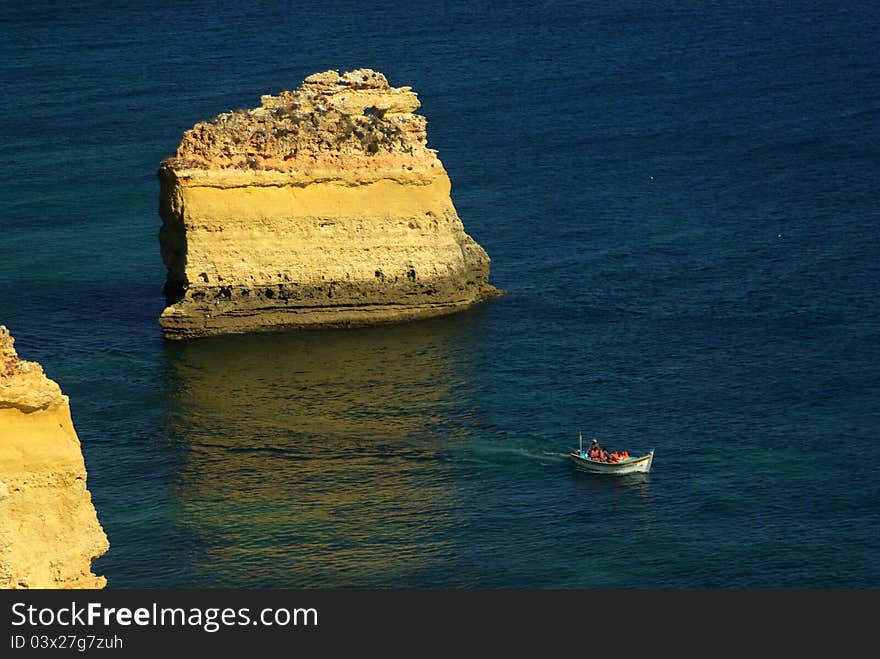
322,207
49,530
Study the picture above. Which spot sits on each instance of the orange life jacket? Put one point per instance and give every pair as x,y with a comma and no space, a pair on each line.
624,455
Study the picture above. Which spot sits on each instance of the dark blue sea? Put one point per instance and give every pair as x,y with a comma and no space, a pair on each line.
681,200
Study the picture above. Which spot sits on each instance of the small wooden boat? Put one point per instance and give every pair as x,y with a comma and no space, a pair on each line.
629,466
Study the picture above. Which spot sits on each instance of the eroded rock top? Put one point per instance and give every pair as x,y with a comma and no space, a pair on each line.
355,115
22,383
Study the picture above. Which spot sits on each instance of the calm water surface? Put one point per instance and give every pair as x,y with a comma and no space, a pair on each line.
681,202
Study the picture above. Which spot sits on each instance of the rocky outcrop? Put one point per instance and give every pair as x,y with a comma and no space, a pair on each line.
49,530
322,207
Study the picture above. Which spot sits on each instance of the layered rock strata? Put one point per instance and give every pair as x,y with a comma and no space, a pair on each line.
322,207
49,530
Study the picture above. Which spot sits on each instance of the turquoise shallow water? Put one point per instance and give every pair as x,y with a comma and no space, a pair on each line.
680,202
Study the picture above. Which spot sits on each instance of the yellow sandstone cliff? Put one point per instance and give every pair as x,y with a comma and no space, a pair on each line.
49,530
322,207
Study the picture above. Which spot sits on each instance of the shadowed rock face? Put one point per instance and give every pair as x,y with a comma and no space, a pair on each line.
322,207
49,531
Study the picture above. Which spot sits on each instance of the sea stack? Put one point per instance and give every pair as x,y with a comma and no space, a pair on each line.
323,207
49,530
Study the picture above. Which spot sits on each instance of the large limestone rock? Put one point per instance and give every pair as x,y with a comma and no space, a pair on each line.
322,207
49,531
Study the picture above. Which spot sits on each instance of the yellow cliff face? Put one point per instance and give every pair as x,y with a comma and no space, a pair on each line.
49,530
322,207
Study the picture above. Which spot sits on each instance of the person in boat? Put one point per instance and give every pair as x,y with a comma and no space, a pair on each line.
603,455
594,450
614,456
624,455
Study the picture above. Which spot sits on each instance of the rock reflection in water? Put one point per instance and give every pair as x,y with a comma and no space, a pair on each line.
317,458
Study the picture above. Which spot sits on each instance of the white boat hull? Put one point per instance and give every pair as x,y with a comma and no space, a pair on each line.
640,465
